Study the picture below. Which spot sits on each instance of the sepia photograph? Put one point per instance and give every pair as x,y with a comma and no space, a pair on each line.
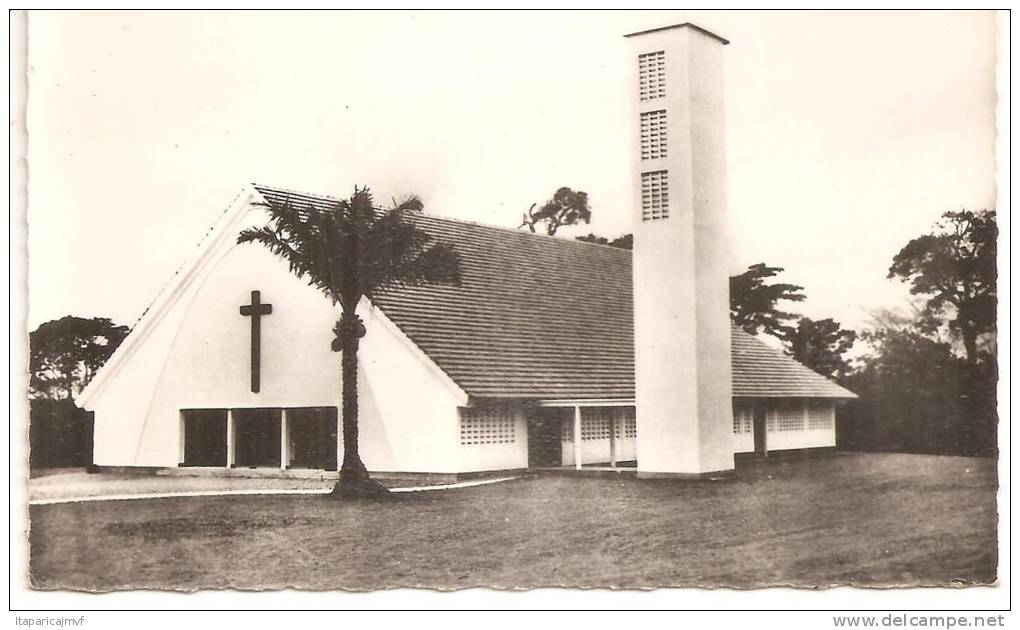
353,301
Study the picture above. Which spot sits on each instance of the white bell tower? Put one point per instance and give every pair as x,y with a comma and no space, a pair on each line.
681,285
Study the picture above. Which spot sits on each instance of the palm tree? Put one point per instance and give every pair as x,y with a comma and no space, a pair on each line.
352,250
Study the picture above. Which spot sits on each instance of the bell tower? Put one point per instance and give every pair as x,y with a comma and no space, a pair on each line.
681,285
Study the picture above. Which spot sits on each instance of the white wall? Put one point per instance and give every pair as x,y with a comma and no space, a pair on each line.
121,393
408,407
743,442
198,356
121,411
777,440
597,451
807,438
208,365
481,457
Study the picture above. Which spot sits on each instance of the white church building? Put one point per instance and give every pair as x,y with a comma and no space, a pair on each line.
551,353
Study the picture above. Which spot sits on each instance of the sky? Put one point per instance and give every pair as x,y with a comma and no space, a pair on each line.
848,133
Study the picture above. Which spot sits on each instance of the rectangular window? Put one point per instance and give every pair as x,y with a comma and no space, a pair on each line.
491,425
654,196
205,437
820,417
311,437
652,75
789,418
257,437
653,135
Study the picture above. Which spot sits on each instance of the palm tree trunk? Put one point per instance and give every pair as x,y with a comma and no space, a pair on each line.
354,481
352,464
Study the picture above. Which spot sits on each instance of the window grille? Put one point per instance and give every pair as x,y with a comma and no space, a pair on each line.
819,417
743,421
629,422
652,75
654,196
596,423
487,426
653,135
626,423
789,419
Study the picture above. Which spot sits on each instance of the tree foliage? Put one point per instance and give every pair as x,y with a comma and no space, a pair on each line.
351,250
753,301
66,353
567,207
59,434
953,267
821,345
916,393
622,242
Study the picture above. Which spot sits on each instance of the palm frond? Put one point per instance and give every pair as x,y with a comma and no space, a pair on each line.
352,249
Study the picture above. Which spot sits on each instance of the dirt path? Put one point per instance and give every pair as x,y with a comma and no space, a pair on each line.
78,486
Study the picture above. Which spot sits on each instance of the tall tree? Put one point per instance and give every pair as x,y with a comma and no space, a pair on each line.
954,268
566,207
349,251
821,345
753,302
66,353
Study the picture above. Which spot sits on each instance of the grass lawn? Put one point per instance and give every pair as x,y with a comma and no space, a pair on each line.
867,519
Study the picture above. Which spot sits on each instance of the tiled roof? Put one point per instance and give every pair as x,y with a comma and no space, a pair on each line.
540,317
760,371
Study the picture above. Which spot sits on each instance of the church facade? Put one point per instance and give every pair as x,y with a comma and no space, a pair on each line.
530,363
551,353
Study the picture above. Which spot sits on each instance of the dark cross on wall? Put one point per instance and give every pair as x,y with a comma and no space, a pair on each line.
256,310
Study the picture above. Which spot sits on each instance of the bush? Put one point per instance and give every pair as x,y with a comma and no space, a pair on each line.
59,435
942,411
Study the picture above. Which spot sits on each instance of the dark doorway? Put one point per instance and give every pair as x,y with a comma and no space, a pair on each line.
257,437
205,437
545,428
312,437
760,441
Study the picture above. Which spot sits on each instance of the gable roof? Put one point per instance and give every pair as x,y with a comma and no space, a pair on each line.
545,318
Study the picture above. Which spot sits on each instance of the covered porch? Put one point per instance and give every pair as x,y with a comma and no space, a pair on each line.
582,435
